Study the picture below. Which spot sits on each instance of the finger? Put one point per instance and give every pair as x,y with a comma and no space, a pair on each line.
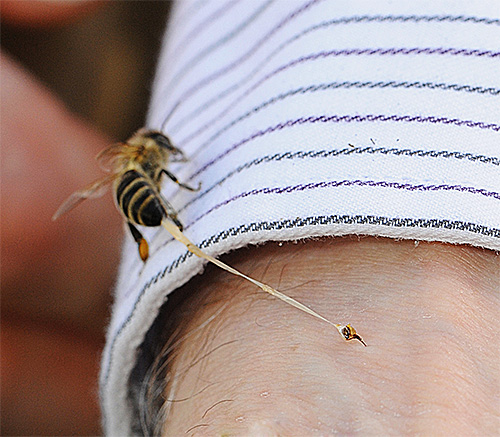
60,270
45,13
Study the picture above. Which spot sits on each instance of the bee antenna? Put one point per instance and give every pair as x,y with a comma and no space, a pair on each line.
169,115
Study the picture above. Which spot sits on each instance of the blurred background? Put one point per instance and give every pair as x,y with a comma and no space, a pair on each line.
75,75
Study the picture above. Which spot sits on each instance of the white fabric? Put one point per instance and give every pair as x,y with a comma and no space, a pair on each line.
314,118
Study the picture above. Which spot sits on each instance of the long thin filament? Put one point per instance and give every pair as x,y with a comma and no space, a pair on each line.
179,236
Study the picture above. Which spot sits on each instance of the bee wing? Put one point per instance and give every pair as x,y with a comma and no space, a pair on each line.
94,190
108,157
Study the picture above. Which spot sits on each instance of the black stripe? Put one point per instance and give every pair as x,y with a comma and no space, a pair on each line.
311,154
138,204
301,120
203,53
341,21
130,183
152,212
128,177
318,88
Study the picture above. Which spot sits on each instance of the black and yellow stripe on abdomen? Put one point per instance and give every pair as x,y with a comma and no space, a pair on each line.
138,200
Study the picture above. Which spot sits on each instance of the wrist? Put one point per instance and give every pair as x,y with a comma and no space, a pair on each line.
426,312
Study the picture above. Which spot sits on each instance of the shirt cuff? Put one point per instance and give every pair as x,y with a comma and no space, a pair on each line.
314,118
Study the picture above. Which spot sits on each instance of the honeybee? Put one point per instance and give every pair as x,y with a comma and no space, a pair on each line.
137,167
136,170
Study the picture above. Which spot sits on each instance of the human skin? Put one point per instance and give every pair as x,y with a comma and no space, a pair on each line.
56,276
45,13
46,154
248,364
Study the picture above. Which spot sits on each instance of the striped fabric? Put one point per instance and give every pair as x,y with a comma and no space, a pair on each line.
315,118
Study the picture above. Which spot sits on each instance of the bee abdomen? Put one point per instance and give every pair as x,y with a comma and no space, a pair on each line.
138,200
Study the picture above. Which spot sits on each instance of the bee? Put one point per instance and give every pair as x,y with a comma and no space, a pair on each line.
136,168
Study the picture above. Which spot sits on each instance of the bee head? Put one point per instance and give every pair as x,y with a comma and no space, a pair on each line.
164,142
161,140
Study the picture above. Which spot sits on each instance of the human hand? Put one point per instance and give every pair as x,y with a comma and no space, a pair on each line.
56,277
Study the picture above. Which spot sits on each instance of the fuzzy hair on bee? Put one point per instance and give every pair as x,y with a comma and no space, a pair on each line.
136,168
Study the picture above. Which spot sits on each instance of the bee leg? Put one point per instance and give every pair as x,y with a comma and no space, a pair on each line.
141,242
170,212
172,215
177,223
174,178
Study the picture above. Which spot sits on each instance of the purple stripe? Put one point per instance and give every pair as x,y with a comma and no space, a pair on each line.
347,183
332,153
198,29
208,50
348,20
249,53
333,86
340,119
393,51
